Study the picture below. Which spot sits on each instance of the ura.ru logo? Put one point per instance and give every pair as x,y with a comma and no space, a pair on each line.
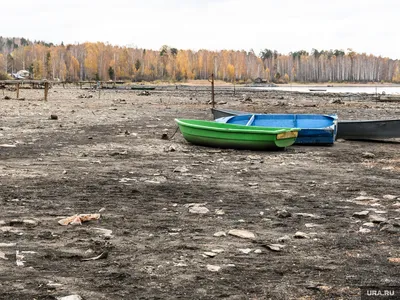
380,292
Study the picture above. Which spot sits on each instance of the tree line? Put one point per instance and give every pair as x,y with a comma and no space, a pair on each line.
102,61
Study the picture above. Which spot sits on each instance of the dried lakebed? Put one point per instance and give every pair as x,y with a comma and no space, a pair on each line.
182,221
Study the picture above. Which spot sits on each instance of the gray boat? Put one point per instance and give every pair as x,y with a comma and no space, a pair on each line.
347,129
368,129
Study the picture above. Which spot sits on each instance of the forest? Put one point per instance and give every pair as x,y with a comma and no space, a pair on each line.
102,61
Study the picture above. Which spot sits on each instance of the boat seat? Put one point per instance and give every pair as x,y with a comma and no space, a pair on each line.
251,121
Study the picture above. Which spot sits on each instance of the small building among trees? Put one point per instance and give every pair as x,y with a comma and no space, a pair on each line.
260,80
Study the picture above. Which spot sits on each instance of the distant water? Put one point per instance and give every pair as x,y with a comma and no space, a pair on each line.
388,90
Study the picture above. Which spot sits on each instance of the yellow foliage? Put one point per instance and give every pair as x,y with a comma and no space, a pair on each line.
268,74
231,72
94,60
2,63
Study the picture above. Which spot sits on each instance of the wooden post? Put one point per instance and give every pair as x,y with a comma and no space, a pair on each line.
17,90
46,90
212,89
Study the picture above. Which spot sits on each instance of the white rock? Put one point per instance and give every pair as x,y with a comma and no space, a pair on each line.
365,198
3,255
219,212
377,219
19,259
210,254
245,251
180,264
312,216
283,238
388,168
213,268
70,297
187,205
301,235
245,234
257,251
361,214
312,225
219,233
104,232
54,284
198,210
389,197
182,169
30,222
276,247
369,224
364,230
218,250
7,245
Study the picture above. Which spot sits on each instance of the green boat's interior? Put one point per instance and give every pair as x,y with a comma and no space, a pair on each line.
202,124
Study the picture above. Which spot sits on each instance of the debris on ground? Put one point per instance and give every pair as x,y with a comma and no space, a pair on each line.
301,235
368,155
83,96
181,169
70,297
78,219
103,255
361,214
337,101
275,247
244,234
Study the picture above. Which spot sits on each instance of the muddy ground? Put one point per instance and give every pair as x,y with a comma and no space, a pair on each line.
107,156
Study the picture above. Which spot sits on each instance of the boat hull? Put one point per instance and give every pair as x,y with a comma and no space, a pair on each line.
346,129
315,129
220,135
369,129
143,88
220,113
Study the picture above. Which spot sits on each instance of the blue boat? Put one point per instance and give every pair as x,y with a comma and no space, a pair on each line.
315,129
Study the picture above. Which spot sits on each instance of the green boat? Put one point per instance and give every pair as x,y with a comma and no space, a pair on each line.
223,135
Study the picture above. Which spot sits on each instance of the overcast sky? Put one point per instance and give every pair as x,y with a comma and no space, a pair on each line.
283,25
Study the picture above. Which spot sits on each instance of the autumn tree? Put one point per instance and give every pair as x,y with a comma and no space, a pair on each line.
94,60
